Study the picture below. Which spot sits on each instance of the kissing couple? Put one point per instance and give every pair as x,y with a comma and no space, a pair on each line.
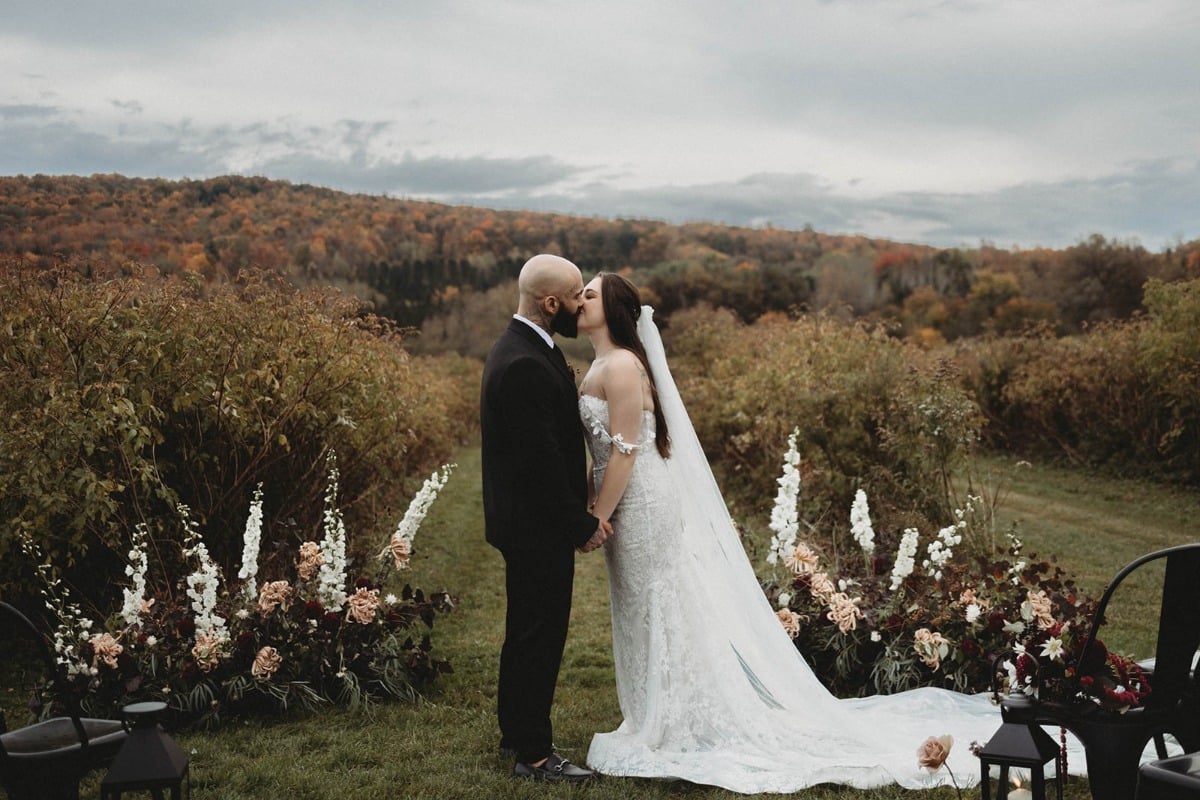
711,688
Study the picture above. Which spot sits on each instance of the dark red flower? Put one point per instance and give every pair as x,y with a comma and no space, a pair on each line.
187,626
1025,667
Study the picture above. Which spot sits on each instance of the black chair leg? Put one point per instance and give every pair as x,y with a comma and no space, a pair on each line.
1113,756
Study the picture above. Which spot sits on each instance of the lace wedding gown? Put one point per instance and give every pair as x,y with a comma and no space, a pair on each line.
711,688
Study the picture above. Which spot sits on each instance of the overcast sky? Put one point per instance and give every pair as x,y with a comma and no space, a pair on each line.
1016,122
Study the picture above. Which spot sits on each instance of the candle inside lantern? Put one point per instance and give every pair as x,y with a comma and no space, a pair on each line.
1019,792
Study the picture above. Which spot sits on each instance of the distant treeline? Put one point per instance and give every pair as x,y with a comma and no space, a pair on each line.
451,268
404,256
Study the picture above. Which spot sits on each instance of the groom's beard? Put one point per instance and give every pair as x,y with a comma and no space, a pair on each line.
565,322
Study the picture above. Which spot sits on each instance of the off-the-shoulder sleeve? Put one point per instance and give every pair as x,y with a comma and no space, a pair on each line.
618,441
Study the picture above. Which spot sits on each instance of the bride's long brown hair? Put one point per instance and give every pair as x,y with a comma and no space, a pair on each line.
622,307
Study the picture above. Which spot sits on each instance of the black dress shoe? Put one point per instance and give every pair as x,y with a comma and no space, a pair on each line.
555,769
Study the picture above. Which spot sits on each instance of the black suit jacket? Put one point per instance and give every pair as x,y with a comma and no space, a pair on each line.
534,457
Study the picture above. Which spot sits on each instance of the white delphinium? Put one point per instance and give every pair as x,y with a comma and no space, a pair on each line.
251,541
1014,547
331,587
973,510
70,633
860,523
785,520
135,596
72,627
400,545
942,548
204,583
906,555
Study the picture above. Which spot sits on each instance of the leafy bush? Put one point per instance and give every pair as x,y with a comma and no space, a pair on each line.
1170,355
1123,395
870,411
124,397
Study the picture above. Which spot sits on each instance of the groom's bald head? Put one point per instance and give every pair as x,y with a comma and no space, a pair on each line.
544,277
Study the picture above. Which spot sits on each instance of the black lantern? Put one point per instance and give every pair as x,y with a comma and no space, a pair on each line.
1023,746
149,760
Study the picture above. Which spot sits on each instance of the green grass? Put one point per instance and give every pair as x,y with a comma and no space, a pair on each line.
445,745
1094,526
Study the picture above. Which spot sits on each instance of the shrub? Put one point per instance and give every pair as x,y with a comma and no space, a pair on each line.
869,410
125,397
1122,395
1170,355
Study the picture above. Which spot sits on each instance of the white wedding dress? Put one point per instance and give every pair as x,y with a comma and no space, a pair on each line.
711,688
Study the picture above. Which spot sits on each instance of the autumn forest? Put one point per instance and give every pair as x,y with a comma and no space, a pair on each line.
450,268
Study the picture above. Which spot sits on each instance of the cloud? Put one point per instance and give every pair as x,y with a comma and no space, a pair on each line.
121,25
45,142
924,120
41,139
132,106
434,177
20,112
1156,201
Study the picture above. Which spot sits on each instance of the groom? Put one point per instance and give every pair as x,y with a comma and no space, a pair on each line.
534,495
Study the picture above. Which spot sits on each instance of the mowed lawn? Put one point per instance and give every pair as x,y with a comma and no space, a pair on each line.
445,745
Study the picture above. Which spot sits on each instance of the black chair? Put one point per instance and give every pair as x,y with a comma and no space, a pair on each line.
1114,742
1175,778
47,759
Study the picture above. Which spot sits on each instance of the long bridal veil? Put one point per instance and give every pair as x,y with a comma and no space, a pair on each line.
792,732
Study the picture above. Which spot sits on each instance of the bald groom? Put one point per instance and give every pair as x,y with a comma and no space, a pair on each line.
534,501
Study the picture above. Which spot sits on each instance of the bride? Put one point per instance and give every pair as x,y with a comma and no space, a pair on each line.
711,688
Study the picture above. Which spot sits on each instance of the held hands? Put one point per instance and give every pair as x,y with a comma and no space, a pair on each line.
598,538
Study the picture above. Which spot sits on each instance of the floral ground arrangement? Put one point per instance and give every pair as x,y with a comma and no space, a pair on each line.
881,614
447,748
210,646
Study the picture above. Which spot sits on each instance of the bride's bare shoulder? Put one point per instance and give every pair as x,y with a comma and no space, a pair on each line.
618,371
625,358
625,365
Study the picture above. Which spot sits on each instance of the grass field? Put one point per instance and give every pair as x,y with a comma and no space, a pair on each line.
445,746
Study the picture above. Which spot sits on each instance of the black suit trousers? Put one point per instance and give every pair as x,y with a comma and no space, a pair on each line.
539,585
